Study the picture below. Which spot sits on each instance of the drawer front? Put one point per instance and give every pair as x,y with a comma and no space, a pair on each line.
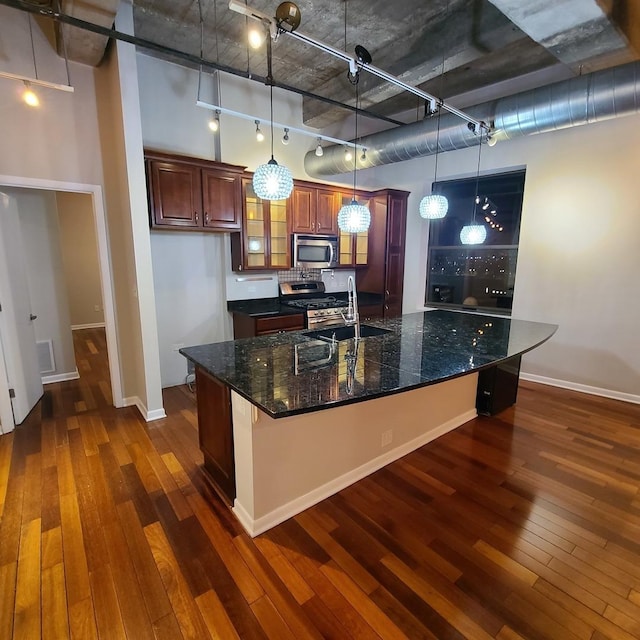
279,323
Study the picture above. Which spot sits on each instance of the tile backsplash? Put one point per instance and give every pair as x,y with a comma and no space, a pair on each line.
245,286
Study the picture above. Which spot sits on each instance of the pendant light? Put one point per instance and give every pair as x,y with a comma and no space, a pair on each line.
475,233
272,181
354,217
435,205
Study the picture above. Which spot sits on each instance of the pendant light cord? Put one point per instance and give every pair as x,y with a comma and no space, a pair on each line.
270,81
440,101
33,49
477,196
355,140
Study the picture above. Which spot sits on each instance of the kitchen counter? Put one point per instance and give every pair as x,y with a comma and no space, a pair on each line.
260,307
285,420
278,375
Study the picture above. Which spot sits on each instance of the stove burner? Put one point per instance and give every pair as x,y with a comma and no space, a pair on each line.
316,303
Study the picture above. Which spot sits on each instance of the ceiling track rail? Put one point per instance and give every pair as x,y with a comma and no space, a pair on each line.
196,61
277,27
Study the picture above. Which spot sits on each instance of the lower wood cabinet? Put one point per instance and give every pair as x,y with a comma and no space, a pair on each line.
215,432
245,326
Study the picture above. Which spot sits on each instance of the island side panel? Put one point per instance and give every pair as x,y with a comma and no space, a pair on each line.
297,461
215,433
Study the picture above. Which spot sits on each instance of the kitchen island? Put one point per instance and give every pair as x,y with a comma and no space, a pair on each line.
287,420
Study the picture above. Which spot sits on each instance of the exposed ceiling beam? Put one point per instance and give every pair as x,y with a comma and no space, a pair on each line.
186,59
577,32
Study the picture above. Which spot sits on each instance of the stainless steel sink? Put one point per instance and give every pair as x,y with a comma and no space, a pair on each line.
346,332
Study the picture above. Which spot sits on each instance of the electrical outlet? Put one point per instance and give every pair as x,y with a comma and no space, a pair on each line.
96,307
387,437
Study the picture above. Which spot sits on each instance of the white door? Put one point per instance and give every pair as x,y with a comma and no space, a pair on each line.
16,319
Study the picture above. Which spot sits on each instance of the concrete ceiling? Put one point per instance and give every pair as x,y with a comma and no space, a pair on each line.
489,47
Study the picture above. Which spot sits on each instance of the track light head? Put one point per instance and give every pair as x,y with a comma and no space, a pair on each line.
285,137
259,134
319,149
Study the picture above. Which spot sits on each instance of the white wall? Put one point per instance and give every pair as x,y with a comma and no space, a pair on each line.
578,262
43,262
80,258
77,138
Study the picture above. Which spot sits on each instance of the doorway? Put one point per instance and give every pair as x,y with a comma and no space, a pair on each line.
100,228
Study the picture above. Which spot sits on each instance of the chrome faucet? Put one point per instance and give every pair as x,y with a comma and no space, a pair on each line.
352,317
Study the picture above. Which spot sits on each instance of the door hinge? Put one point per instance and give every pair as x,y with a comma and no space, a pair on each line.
12,393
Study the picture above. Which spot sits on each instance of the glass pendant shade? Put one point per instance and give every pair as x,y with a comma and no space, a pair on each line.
433,207
473,234
272,181
354,218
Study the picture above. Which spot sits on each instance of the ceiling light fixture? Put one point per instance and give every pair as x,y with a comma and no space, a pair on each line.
319,149
259,134
354,217
214,123
475,233
285,137
29,95
272,181
348,156
256,38
435,205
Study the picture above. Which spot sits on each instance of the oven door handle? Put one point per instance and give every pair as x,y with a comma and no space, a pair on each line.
331,253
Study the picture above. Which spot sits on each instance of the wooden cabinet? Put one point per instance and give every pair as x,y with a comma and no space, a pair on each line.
385,267
314,209
215,433
353,248
264,243
245,326
191,194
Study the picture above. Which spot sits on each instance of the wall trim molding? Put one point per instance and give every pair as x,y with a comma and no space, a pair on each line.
581,388
149,416
88,325
61,377
292,508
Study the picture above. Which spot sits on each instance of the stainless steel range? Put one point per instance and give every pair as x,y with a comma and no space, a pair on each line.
320,310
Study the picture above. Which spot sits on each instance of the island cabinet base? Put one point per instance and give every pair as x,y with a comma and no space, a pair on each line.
215,434
286,465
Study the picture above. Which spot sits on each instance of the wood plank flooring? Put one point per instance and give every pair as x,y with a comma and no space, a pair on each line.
525,525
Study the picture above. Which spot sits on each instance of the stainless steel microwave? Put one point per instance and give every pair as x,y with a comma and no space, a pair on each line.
315,252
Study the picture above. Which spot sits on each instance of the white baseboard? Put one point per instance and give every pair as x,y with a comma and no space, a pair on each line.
292,508
89,325
582,388
60,377
149,416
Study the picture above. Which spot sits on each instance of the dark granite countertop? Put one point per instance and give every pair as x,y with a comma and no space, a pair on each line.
259,307
287,374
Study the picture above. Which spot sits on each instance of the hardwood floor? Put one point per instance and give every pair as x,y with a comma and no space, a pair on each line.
525,525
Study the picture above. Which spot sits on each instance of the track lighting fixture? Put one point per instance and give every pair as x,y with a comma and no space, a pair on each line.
214,123
319,149
256,38
285,137
363,157
29,96
259,134
348,156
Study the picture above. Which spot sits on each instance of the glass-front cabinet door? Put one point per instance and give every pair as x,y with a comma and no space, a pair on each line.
279,235
264,242
255,229
354,247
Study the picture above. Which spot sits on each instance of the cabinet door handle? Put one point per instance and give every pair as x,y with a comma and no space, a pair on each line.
386,292
206,218
197,217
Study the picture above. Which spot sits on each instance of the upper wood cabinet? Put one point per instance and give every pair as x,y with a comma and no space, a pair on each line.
354,247
314,209
193,194
264,242
385,266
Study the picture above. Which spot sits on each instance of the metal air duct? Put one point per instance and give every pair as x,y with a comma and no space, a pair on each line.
597,96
